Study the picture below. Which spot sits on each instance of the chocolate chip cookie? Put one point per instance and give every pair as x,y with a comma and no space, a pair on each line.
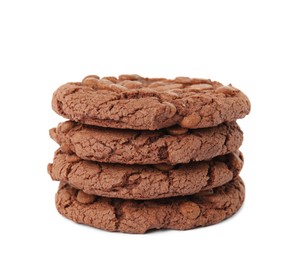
135,102
133,216
172,146
144,181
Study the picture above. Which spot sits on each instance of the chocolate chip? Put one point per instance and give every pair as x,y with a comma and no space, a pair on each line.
177,130
163,167
190,210
85,198
190,121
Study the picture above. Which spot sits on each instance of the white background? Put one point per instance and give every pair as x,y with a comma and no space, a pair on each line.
44,44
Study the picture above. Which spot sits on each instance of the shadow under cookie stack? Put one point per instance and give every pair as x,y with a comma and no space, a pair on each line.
148,153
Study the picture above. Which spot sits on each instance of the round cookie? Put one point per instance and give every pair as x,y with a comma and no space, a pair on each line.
133,216
134,102
143,182
172,146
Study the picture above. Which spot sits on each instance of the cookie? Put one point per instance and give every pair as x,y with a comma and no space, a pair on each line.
133,216
144,181
172,146
134,102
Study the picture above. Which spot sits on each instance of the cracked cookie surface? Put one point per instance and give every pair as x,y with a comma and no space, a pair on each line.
134,102
147,147
144,181
132,216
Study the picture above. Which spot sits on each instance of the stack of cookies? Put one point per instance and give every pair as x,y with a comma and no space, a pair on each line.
148,153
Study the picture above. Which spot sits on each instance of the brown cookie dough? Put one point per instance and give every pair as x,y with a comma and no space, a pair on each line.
144,181
134,102
147,147
133,216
